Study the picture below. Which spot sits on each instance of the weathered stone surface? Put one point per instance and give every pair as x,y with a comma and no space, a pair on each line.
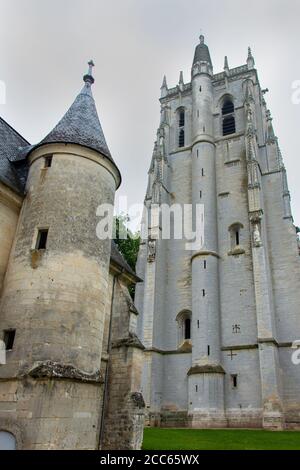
243,295
56,370
206,369
56,389
124,403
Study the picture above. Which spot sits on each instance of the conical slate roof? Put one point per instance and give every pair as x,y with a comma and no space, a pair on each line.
81,125
202,52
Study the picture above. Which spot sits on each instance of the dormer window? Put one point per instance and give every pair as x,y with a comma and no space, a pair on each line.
228,118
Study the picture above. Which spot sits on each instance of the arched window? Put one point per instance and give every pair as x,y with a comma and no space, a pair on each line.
181,118
187,328
184,321
181,124
228,119
227,108
181,138
7,441
228,125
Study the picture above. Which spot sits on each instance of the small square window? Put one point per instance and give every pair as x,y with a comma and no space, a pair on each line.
9,338
41,241
48,161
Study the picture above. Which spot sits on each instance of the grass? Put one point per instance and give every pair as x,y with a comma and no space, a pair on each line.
219,439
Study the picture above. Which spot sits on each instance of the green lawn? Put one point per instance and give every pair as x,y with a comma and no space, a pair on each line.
219,439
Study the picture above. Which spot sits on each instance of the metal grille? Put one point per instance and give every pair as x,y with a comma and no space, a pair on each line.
228,125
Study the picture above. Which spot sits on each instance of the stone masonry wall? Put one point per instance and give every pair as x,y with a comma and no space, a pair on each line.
124,403
10,204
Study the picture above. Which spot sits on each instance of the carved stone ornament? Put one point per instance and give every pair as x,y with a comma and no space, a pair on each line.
55,370
255,220
151,250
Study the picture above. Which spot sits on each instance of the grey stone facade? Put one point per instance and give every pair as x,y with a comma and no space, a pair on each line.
241,289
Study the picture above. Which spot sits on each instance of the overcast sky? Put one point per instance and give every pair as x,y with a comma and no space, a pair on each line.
45,45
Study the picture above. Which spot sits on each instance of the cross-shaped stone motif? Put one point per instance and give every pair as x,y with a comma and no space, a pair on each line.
231,355
236,328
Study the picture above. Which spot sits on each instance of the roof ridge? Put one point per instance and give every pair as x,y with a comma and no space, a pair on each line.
14,130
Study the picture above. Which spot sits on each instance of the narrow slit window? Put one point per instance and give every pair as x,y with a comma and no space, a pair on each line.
234,380
196,387
204,264
235,235
208,350
203,292
41,242
202,171
9,339
48,161
200,194
198,324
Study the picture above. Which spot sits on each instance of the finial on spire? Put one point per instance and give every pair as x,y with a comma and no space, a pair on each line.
164,83
164,88
250,59
201,37
226,67
88,78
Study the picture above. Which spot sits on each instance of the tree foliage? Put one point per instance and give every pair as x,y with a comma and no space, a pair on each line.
127,242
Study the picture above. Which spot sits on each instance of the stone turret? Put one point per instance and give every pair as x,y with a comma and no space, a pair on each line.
55,289
206,369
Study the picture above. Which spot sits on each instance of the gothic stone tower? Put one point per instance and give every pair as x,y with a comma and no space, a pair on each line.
65,312
218,322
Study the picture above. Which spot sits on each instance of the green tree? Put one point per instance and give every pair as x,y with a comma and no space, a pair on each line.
127,242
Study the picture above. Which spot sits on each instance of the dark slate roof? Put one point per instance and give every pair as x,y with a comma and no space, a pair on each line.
80,125
202,53
12,174
118,258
